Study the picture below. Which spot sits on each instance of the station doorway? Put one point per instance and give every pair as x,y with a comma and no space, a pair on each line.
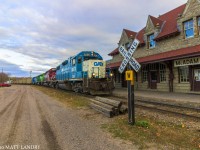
196,79
153,79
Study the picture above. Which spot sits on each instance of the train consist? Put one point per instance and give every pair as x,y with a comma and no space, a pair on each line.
84,72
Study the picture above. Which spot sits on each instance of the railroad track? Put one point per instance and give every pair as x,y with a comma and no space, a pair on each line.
162,107
169,111
167,108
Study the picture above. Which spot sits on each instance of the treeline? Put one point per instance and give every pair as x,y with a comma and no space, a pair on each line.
3,77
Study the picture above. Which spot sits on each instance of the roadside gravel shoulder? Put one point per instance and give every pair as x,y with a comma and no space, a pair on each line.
78,128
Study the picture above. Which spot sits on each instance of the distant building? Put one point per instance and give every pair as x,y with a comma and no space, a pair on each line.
169,51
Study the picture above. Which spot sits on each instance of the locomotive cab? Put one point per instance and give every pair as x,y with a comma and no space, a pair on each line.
94,80
94,68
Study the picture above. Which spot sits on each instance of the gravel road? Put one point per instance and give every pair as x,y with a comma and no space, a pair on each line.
30,119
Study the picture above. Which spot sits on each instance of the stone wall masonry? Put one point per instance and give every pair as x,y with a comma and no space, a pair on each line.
182,87
163,86
170,44
124,39
117,58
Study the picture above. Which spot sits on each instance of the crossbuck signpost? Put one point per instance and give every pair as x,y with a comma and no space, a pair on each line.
130,61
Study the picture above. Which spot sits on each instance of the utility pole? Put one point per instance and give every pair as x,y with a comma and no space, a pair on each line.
30,73
2,75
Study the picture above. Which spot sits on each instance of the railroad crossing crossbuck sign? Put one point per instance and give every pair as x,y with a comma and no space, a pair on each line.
129,76
128,57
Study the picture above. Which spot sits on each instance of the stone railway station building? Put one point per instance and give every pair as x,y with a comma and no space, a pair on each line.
169,51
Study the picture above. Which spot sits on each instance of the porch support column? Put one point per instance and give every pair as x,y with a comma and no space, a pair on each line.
171,75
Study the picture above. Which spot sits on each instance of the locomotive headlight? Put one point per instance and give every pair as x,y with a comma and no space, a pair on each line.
93,74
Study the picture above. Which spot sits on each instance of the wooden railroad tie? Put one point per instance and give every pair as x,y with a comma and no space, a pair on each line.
108,107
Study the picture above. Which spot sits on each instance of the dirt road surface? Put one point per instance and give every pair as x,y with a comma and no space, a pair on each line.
30,119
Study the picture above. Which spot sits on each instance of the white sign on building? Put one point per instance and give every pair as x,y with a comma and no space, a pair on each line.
187,61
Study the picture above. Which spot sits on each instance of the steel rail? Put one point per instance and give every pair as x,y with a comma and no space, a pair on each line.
169,111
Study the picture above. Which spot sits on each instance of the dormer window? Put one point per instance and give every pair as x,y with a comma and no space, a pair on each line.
151,42
189,29
199,24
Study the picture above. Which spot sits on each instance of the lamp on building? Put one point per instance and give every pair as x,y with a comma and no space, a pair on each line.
157,25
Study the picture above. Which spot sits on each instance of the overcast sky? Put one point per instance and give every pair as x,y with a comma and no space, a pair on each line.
36,35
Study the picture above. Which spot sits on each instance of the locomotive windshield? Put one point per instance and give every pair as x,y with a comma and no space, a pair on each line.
91,58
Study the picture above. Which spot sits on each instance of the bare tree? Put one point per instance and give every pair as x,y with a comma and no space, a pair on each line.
3,77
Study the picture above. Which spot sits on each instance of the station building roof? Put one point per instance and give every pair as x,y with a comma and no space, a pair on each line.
167,22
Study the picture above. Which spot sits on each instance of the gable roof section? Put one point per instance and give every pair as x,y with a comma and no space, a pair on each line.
170,19
140,36
169,26
156,21
129,33
114,52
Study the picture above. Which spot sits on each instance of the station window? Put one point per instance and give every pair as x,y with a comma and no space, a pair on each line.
162,69
144,74
189,29
198,24
151,42
183,74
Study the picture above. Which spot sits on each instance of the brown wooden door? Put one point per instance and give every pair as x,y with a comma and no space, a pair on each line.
196,79
153,79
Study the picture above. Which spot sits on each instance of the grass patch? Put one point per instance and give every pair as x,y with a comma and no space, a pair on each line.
148,133
144,124
66,98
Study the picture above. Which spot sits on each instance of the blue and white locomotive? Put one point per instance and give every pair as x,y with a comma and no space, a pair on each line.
84,72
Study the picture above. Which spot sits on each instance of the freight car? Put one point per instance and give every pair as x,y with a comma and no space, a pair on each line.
40,79
84,72
21,80
46,78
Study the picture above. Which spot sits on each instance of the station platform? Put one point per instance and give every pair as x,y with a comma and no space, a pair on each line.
160,96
